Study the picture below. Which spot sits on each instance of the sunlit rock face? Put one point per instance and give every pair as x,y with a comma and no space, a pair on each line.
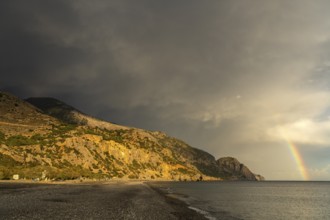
45,135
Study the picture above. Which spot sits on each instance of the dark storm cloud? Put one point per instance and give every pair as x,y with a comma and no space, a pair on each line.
225,76
31,55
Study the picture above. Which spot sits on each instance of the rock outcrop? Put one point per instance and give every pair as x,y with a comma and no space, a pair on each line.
232,169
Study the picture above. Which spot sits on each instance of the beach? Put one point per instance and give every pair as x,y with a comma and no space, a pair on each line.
95,200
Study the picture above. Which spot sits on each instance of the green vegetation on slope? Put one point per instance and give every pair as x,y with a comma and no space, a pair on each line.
19,140
51,173
2,137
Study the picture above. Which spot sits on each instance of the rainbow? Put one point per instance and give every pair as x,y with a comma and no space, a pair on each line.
299,160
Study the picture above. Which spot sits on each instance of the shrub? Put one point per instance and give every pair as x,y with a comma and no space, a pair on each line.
90,131
5,173
19,140
67,150
8,161
185,171
115,135
2,137
132,176
62,129
37,137
136,165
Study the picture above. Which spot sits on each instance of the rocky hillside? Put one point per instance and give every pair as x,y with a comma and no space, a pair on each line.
69,114
232,169
46,138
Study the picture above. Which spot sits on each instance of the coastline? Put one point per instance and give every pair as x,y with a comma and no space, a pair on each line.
90,200
182,210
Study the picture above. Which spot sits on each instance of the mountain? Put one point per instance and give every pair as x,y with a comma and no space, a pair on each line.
17,111
69,114
234,170
44,137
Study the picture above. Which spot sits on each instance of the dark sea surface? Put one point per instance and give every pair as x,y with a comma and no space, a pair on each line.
254,200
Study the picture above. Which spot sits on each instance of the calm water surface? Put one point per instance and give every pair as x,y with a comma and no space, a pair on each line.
255,200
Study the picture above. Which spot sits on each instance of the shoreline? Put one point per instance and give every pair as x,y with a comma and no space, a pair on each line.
116,199
182,210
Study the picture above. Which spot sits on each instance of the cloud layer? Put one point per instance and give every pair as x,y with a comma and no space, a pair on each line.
227,77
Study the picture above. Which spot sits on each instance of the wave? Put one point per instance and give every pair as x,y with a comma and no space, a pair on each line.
203,212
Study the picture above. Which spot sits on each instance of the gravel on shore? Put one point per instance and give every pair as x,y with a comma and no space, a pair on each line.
103,200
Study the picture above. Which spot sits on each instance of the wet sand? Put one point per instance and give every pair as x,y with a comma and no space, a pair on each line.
107,200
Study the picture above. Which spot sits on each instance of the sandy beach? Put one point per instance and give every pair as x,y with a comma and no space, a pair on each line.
101,200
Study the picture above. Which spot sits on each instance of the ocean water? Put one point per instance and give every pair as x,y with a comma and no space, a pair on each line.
254,200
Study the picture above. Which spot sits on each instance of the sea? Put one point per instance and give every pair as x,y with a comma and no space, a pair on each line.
254,200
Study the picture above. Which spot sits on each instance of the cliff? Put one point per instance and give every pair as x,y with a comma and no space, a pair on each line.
232,169
45,135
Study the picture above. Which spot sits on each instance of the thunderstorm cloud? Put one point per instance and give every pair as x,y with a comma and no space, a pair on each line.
229,77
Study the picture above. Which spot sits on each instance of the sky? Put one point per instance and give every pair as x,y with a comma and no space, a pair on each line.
248,79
